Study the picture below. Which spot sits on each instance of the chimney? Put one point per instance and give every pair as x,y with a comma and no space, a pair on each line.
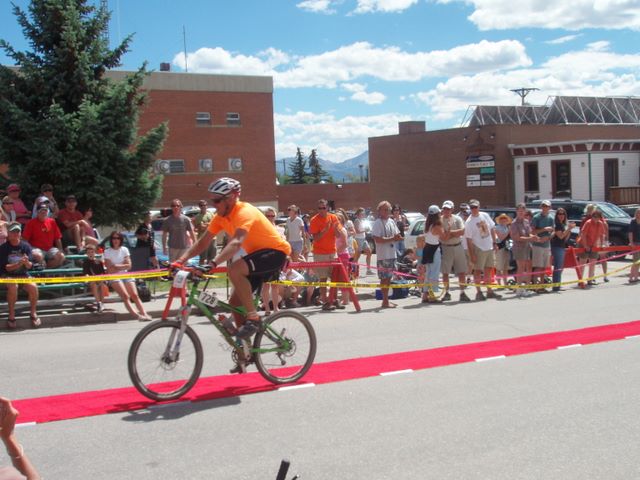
411,127
165,67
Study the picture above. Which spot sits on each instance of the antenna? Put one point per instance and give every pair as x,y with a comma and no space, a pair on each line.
184,40
523,92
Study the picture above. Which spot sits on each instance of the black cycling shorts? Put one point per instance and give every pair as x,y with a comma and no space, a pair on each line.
264,266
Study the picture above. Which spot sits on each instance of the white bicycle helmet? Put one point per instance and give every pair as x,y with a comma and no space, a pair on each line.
224,186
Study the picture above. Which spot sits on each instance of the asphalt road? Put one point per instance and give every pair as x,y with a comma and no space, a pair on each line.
569,413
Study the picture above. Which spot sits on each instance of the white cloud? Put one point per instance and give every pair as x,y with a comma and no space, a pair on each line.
590,72
568,14
219,60
392,64
367,6
361,95
317,6
336,139
359,59
561,40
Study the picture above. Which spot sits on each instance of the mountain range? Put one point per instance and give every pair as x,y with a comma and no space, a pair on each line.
346,172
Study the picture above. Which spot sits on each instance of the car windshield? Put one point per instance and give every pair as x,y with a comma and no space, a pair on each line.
609,210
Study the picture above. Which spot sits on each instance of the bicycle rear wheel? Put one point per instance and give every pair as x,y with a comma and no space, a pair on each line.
159,367
284,349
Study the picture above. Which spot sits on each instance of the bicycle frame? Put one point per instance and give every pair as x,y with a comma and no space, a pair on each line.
243,349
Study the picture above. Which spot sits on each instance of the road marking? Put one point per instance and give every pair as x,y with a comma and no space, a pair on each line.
26,424
630,337
396,372
488,359
296,387
574,345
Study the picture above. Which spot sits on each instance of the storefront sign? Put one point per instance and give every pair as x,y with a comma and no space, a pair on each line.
480,161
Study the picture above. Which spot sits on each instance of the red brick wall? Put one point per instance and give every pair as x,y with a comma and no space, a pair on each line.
253,141
349,197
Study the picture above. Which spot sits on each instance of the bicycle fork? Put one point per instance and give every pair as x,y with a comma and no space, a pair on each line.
172,352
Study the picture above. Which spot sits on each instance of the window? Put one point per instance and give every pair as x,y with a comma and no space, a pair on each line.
203,118
531,182
561,174
205,164
233,118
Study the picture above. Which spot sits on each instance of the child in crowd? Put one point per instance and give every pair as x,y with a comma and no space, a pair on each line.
94,266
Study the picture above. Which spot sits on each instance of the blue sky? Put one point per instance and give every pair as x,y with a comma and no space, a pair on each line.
345,70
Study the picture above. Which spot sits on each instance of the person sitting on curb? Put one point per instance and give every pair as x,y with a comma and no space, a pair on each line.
22,467
15,261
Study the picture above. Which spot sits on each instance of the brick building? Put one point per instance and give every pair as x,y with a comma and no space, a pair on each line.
219,125
576,146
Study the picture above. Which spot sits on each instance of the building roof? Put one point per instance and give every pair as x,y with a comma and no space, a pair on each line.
560,110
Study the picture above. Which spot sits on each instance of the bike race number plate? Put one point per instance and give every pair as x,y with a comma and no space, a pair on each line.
180,279
208,297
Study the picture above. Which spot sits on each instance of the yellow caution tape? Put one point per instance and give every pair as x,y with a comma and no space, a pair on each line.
83,279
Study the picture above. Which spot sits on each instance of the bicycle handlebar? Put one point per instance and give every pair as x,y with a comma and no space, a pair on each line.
198,270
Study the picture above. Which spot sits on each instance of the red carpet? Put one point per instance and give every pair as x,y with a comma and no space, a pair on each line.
99,402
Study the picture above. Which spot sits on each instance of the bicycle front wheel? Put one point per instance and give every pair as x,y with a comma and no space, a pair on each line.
284,349
161,365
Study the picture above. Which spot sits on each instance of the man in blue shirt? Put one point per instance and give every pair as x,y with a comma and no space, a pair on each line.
543,226
15,261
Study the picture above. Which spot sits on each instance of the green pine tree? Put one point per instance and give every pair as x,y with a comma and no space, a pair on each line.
299,173
62,122
317,172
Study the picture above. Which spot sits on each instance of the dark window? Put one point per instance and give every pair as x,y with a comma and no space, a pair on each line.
233,118
203,118
531,181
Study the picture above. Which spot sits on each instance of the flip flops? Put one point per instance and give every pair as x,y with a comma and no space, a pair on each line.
12,324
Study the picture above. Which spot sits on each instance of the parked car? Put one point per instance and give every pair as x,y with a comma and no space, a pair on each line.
617,219
630,209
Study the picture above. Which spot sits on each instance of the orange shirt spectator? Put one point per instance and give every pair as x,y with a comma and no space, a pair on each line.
322,229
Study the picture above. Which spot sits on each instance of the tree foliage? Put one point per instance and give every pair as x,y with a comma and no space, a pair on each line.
62,122
299,173
317,173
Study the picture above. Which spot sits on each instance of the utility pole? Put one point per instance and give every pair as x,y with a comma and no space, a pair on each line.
523,92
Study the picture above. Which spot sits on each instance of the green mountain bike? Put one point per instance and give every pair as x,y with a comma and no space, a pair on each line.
165,358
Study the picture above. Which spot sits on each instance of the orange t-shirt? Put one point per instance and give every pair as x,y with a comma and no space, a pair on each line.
326,244
261,233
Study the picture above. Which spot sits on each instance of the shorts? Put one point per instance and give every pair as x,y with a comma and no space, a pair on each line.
589,255
323,272
503,257
362,244
521,253
296,246
454,259
176,253
484,259
264,266
386,269
540,256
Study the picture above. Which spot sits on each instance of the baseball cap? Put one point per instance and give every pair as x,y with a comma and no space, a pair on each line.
142,230
545,203
13,187
433,209
14,227
447,204
71,197
474,203
43,206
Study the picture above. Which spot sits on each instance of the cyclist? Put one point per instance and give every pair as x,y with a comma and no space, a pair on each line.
256,251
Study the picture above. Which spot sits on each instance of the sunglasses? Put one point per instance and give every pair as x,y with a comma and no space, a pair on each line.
322,208
216,201
7,203
271,216
116,238
176,206
473,207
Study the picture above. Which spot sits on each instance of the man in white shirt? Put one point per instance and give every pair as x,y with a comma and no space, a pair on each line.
385,232
295,232
482,242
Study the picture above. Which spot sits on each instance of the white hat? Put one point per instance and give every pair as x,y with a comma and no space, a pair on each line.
433,209
447,204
